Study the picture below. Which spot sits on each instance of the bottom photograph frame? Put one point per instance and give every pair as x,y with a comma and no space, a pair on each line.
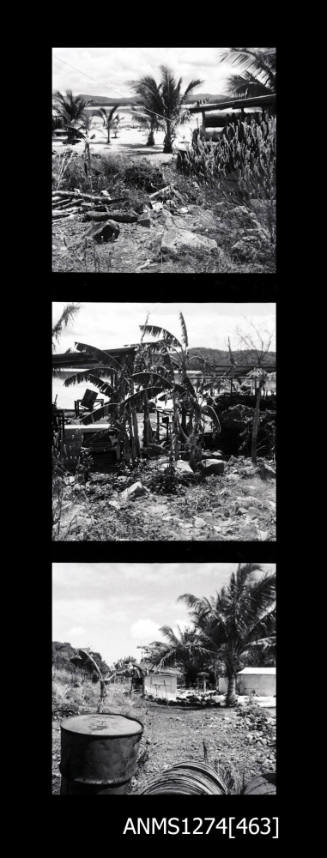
164,680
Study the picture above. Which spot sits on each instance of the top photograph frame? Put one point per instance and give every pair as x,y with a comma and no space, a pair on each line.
164,160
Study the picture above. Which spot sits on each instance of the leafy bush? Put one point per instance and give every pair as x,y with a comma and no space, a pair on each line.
107,172
143,175
244,150
167,482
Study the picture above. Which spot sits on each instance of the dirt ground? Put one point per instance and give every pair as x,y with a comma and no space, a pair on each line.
238,505
242,745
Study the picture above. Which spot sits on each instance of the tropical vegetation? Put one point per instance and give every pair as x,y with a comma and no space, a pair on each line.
164,103
229,629
257,71
137,381
71,109
108,119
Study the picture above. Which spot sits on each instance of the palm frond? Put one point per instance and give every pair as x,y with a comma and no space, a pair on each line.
151,379
167,337
68,313
210,412
100,355
137,399
190,87
99,413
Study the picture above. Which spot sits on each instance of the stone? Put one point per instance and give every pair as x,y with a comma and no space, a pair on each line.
175,240
212,466
144,220
157,206
181,467
134,491
108,232
184,468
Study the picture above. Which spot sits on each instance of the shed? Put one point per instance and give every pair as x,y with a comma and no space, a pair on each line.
258,680
162,683
253,680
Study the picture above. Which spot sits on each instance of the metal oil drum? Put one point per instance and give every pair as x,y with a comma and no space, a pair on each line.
98,754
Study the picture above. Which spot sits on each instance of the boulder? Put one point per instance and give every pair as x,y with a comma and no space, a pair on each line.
134,491
108,232
175,240
212,466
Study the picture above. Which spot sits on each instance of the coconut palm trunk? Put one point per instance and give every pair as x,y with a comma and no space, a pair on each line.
231,696
168,141
150,140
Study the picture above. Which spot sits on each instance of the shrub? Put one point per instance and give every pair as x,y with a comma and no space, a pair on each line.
245,151
144,176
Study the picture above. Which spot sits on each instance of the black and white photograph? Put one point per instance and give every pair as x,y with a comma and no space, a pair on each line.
164,160
163,422
164,679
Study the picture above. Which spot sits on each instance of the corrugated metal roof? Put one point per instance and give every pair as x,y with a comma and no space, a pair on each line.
271,670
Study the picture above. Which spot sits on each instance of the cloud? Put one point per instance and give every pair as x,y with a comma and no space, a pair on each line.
76,633
144,630
108,71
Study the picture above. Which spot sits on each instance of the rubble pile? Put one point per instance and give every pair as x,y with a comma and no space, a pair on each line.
164,207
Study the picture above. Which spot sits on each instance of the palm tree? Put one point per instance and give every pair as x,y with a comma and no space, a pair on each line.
107,118
237,620
181,648
165,102
258,75
149,121
71,110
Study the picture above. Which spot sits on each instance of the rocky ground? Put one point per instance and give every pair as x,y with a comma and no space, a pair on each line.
240,743
192,229
239,504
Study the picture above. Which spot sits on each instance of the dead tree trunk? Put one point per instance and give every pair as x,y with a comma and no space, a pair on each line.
255,426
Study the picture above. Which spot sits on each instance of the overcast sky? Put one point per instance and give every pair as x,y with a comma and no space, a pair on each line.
115,607
113,324
108,71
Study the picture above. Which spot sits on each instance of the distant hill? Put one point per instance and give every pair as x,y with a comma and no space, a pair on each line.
191,99
220,357
62,653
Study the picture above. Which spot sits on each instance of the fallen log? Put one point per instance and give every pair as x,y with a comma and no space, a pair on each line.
157,193
121,217
59,213
66,204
